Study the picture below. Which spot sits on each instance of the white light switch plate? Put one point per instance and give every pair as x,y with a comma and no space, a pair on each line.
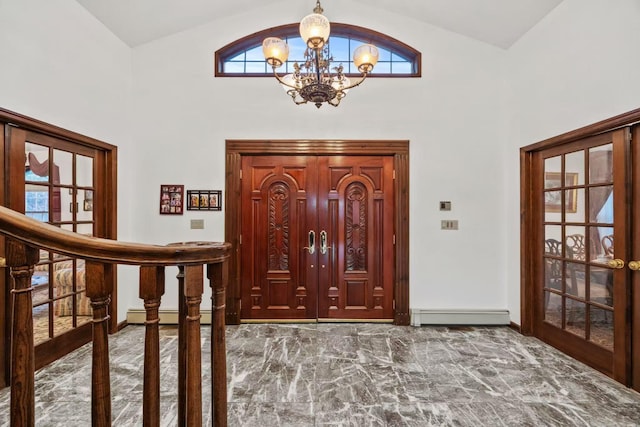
449,224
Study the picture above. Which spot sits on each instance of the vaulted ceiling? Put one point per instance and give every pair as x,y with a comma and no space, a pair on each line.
497,22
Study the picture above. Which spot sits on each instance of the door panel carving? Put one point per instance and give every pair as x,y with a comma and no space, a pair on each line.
358,283
346,202
275,265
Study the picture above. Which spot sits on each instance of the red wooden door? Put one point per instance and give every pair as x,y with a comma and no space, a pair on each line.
356,213
279,209
317,237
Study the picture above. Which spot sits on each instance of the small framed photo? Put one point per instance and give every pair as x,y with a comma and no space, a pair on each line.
171,199
204,200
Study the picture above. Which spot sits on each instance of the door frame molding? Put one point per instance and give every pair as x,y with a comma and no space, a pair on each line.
399,149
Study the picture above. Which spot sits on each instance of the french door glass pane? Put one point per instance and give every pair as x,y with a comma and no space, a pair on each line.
601,164
601,204
575,205
574,167
575,242
66,203
601,286
553,309
601,331
552,166
84,171
41,154
601,244
575,317
63,160
41,323
574,279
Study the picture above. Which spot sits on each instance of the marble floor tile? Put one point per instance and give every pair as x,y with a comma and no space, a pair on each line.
351,375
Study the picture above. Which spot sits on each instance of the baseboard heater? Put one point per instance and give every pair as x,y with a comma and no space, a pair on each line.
418,317
459,317
167,317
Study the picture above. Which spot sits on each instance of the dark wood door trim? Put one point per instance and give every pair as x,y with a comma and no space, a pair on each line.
635,255
235,149
5,309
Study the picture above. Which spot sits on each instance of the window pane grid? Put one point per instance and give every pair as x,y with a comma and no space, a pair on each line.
251,60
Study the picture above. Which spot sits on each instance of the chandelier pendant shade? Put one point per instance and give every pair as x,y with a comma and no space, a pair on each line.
313,80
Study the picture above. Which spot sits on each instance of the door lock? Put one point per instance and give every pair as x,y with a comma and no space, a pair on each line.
312,242
323,242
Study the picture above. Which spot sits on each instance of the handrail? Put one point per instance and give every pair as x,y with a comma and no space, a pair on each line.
68,243
26,236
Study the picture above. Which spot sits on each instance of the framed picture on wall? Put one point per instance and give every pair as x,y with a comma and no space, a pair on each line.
171,199
553,197
204,200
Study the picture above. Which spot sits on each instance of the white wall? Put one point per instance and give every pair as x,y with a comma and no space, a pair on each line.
578,66
60,65
453,117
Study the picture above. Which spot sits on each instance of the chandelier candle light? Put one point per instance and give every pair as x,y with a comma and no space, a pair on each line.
313,81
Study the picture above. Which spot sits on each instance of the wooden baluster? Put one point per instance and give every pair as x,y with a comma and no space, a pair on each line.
99,291
193,289
151,290
182,350
21,258
218,277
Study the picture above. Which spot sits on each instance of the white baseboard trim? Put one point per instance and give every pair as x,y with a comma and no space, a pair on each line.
167,317
459,317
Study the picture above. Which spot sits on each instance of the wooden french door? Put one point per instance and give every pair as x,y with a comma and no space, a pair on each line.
317,237
585,285
67,180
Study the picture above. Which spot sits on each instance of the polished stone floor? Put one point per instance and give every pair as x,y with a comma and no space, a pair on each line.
354,375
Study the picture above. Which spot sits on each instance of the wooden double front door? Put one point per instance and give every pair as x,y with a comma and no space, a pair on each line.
317,237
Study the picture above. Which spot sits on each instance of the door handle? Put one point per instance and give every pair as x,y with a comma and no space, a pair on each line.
634,265
616,263
323,242
312,242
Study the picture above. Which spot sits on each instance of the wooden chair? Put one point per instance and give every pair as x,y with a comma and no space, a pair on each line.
553,267
575,243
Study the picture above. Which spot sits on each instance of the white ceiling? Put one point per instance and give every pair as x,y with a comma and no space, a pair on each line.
497,22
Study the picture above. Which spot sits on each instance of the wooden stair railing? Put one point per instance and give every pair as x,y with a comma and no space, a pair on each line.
26,236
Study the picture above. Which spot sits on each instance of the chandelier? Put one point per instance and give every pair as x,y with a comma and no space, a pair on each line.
312,81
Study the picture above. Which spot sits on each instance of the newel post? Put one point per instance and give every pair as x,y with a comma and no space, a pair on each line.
21,258
100,294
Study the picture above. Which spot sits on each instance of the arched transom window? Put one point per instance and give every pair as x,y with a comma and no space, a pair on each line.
244,57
